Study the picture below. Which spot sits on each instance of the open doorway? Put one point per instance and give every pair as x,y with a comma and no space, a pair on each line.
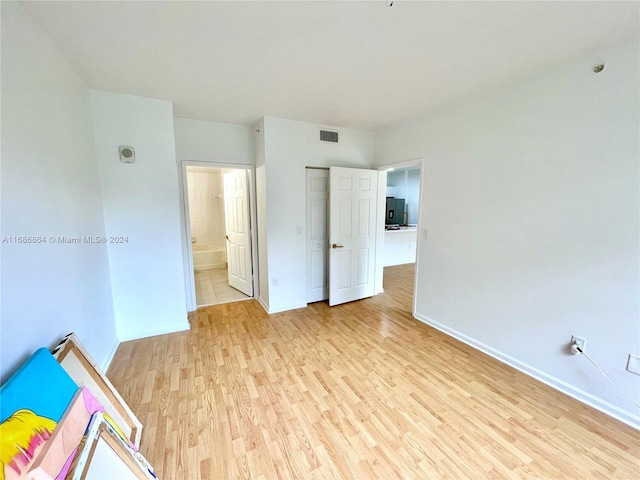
399,214
218,230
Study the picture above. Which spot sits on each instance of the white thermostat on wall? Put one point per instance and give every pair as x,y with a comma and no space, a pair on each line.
127,154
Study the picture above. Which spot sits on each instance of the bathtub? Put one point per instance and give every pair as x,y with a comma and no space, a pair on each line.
206,256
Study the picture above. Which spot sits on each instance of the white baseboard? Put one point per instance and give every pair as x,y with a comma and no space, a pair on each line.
287,308
264,304
109,358
270,311
568,389
177,327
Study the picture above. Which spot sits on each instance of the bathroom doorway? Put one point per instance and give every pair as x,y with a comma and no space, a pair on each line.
218,219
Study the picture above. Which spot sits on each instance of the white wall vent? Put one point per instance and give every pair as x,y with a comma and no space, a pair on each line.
328,136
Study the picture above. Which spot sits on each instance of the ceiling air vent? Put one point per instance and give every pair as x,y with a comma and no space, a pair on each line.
328,136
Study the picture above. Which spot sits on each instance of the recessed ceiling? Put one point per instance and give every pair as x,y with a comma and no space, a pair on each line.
351,64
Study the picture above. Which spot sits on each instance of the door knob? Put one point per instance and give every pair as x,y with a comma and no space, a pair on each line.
227,237
335,245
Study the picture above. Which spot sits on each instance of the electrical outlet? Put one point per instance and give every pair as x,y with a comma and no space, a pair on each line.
579,341
633,364
274,282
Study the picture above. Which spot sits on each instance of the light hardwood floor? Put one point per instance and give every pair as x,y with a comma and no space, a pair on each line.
361,390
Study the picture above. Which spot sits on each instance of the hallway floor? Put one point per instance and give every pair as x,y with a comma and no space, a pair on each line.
212,287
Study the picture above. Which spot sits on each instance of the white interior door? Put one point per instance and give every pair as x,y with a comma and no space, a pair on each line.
317,234
238,235
352,233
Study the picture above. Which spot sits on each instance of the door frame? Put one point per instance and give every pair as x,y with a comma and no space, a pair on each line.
421,234
185,224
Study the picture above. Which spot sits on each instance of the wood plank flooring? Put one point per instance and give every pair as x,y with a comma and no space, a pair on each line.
361,390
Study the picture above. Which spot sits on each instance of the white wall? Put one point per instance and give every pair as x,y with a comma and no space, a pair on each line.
50,188
290,146
405,183
214,142
206,205
141,203
395,184
413,194
532,208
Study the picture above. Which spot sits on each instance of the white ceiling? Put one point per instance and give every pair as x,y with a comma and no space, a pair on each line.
351,64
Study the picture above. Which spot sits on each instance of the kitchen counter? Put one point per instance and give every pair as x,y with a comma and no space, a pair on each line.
410,228
400,245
